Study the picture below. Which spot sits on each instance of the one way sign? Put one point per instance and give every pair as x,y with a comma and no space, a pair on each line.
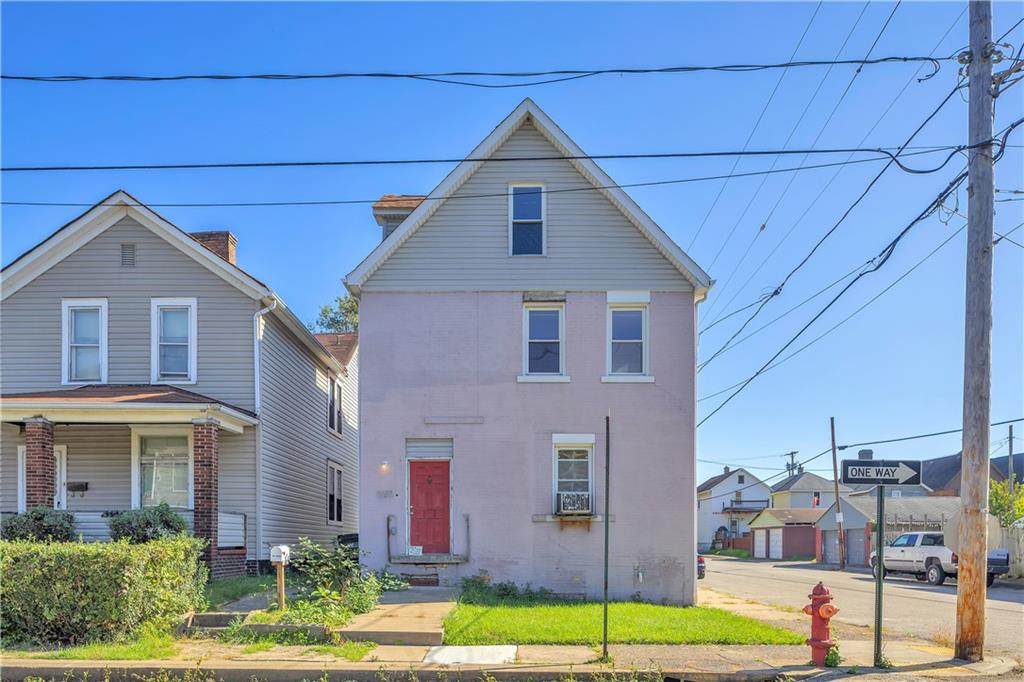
882,472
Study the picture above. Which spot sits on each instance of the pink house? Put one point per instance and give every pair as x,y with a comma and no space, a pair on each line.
501,320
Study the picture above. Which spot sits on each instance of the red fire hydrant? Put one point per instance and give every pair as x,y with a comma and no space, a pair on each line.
820,611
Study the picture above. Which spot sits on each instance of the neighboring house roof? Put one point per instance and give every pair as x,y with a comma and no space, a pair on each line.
771,518
943,473
1000,465
528,111
119,393
340,344
718,478
807,482
907,507
399,201
68,238
867,488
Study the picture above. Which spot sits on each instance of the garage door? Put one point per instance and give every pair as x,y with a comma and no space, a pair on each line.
760,544
775,543
855,548
830,540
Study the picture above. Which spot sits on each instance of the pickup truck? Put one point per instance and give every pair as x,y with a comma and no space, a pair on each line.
925,556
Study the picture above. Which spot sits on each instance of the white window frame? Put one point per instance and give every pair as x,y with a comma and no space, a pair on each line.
643,305
543,219
155,305
546,377
66,305
573,441
138,432
338,414
60,489
332,468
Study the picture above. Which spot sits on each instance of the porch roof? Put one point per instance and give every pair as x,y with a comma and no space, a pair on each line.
116,403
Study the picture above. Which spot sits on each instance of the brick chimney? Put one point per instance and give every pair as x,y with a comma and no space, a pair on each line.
221,242
391,209
726,469
865,454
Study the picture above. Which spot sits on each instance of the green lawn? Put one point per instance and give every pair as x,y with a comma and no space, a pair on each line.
738,553
352,651
628,623
149,645
220,592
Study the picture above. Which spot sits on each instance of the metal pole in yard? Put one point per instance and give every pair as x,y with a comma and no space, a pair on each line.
839,506
607,520
1009,461
970,578
880,572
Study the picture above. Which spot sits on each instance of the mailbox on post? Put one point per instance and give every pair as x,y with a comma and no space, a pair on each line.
279,557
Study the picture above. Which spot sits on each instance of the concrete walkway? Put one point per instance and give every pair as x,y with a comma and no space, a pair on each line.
405,617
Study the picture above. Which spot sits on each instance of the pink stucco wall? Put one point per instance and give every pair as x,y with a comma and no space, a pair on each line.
457,355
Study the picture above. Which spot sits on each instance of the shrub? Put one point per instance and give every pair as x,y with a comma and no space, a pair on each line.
330,568
41,524
77,592
143,525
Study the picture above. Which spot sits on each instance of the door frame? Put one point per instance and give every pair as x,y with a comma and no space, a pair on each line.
451,499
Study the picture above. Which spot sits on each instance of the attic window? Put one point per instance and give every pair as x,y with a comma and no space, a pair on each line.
127,255
526,220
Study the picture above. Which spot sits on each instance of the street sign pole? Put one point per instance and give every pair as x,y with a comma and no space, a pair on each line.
880,563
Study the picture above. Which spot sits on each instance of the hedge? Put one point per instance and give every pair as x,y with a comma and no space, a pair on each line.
82,592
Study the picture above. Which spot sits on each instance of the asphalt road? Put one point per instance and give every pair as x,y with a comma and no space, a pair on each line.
911,607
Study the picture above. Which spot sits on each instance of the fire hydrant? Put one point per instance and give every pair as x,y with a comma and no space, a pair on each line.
820,611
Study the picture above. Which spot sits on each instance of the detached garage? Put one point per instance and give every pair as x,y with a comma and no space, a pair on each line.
784,533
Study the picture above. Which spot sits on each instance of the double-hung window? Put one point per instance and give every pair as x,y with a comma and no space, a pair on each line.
627,340
543,342
173,335
334,416
574,476
334,489
164,471
526,220
84,340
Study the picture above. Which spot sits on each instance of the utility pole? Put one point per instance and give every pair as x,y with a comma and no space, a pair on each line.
791,464
1009,461
839,506
970,591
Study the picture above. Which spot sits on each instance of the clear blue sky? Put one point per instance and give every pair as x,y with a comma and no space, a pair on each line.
894,369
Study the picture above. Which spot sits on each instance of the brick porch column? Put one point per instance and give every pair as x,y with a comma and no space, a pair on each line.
205,434
40,466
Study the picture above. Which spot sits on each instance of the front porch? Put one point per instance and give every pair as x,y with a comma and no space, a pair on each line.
99,450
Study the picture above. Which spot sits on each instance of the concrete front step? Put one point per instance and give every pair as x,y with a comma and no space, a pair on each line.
395,636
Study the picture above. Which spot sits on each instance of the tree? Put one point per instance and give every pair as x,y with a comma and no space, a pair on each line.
1004,505
341,316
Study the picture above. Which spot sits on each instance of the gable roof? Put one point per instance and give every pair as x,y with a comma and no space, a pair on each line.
340,344
528,111
806,481
715,480
72,235
943,473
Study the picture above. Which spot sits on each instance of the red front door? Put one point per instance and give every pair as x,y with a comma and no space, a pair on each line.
429,497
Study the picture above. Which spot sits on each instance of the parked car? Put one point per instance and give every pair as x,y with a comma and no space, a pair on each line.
926,557
700,567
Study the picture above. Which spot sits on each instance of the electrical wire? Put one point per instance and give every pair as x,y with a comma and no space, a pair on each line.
457,77
337,202
835,175
885,152
753,130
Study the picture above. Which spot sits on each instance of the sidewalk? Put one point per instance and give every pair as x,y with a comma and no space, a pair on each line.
538,663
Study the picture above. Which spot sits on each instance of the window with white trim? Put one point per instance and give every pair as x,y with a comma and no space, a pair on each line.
526,220
627,340
165,471
173,332
543,334
574,479
84,340
334,416
335,507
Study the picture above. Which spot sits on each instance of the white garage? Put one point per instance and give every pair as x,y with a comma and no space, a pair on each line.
760,544
775,543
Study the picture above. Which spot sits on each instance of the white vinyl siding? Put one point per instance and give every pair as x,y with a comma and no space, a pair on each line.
296,443
84,341
590,244
335,493
30,319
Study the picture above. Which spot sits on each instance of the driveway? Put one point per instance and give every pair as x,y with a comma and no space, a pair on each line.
913,608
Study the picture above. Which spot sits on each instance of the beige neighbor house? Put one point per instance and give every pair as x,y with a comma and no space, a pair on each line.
141,365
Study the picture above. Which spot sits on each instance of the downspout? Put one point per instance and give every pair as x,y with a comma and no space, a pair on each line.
257,353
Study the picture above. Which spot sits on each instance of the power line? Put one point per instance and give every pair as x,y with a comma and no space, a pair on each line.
456,77
336,202
854,313
821,131
753,130
831,230
835,175
885,152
